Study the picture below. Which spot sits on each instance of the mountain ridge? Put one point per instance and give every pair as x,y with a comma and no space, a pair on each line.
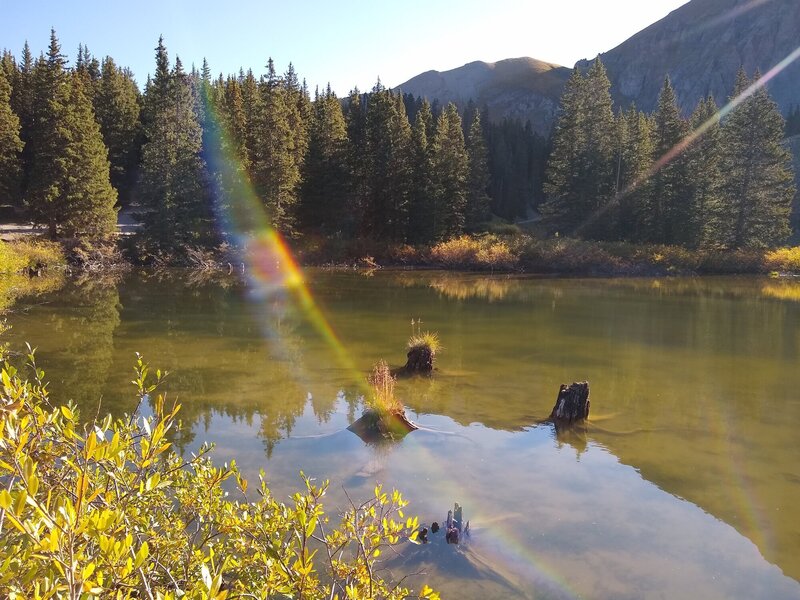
699,45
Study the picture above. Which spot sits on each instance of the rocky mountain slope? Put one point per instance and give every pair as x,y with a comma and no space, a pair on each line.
519,88
699,45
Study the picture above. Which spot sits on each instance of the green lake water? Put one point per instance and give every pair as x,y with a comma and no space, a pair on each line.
685,485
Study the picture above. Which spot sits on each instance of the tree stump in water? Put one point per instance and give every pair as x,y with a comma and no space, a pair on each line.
572,403
420,360
375,427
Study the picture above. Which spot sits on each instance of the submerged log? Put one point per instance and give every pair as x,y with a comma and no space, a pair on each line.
572,403
420,360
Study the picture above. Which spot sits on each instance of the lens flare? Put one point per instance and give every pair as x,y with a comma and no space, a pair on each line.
272,271
692,137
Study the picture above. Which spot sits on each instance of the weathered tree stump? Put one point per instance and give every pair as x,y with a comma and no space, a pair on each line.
375,427
572,403
420,360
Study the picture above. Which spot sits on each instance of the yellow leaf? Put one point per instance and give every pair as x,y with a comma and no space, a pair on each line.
5,499
67,413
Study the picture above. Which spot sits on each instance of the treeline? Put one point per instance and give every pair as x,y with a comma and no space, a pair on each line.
76,143
662,178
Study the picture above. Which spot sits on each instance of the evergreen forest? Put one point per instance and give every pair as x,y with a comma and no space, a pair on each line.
79,142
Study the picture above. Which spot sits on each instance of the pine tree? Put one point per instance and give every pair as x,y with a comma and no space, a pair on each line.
421,199
672,208
387,165
22,101
759,184
274,169
597,185
49,139
565,207
356,121
10,146
173,187
88,196
704,174
324,187
116,103
635,187
477,209
252,108
450,174
581,170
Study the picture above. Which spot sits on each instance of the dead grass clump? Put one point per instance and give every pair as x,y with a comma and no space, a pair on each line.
383,399
425,340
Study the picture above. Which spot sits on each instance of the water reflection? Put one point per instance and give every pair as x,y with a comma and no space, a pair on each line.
693,389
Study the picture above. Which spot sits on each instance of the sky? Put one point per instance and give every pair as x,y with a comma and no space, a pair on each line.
346,42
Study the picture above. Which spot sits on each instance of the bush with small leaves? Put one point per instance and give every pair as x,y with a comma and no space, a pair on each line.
108,509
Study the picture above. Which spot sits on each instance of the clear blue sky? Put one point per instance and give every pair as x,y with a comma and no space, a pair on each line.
349,42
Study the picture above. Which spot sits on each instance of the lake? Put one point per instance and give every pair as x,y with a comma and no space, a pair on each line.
685,484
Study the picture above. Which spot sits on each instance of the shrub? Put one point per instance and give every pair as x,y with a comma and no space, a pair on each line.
480,253
783,259
30,255
108,509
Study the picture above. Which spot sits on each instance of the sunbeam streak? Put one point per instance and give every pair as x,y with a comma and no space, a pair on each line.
692,137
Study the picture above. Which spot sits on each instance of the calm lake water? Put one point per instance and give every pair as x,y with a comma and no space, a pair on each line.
686,484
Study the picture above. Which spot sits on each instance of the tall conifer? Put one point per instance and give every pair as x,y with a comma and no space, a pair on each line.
10,146
759,183
477,209
450,174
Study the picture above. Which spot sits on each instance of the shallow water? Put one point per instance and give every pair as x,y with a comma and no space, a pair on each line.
685,484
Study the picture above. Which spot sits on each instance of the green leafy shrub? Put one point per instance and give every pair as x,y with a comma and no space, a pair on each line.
109,510
30,254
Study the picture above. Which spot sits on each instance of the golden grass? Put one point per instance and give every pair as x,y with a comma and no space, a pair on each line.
482,253
383,399
426,339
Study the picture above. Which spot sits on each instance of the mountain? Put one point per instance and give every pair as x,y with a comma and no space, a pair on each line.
701,46
519,88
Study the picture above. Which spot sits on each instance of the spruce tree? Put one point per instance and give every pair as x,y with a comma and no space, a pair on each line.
387,165
597,184
274,169
173,187
356,121
22,103
117,102
324,188
450,175
704,174
672,208
421,198
477,209
565,206
88,196
759,184
49,139
10,146
635,195
581,170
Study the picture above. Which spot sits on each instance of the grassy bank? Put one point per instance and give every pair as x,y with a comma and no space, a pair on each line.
525,253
